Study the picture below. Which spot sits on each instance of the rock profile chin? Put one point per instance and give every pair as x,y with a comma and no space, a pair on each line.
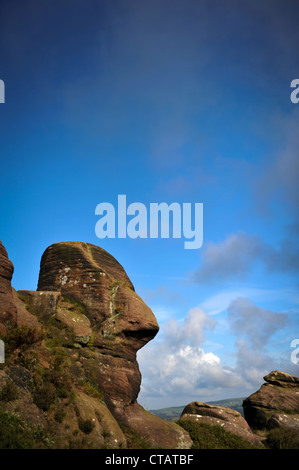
86,312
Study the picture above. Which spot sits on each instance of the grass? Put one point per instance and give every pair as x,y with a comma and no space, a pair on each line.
282,438
134,439
91,390
15,433
54,383
206,436
73,305
21,338
9,392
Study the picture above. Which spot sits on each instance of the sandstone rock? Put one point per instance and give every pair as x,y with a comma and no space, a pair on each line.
282,379
93,323
227,418
22,402
159,433
8,313
87,274
281,420
24,317
72,317
105,431
116,320
276,403
42,304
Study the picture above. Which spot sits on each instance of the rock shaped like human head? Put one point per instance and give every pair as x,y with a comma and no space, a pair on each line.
120,323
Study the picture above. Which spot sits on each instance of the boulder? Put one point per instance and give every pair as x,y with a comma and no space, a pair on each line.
8,312
92,323
228,419
275,404
159,433
99,304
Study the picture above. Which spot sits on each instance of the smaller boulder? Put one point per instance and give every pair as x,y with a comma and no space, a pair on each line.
275,404
230,420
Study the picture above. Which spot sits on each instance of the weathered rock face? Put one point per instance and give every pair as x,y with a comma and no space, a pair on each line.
106,311
158,433
8,311
87,274
227,418
88,324
275,404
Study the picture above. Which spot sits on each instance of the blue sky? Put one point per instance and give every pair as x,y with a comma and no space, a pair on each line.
164,101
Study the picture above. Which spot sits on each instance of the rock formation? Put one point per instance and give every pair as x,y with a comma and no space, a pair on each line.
230,420
72,349
275,404
8,311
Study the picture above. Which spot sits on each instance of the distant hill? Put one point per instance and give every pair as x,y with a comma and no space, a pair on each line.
173,413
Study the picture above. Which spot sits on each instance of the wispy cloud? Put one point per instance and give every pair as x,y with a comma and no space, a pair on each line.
278,181
234,258
219,301
254,323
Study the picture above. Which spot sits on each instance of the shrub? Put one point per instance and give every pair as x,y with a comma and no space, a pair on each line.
207,436
86,425
44,396
134,439
282,438
9,392
15,433
91,389
59,415
21,337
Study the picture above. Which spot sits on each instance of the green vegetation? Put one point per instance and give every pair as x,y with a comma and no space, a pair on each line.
21,337
54,383
134,439
59,415
282,438
9,392
91,389
72,305
44,396
15,433
86,425
26,300
207,436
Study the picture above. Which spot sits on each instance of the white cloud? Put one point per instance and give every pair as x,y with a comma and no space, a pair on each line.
177,368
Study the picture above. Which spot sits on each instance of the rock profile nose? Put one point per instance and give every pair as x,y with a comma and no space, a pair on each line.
87,274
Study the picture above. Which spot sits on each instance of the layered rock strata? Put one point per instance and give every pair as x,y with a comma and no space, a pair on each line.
227,418
275,404
87,312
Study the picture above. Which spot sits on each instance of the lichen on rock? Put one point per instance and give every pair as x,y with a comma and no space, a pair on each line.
80,332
